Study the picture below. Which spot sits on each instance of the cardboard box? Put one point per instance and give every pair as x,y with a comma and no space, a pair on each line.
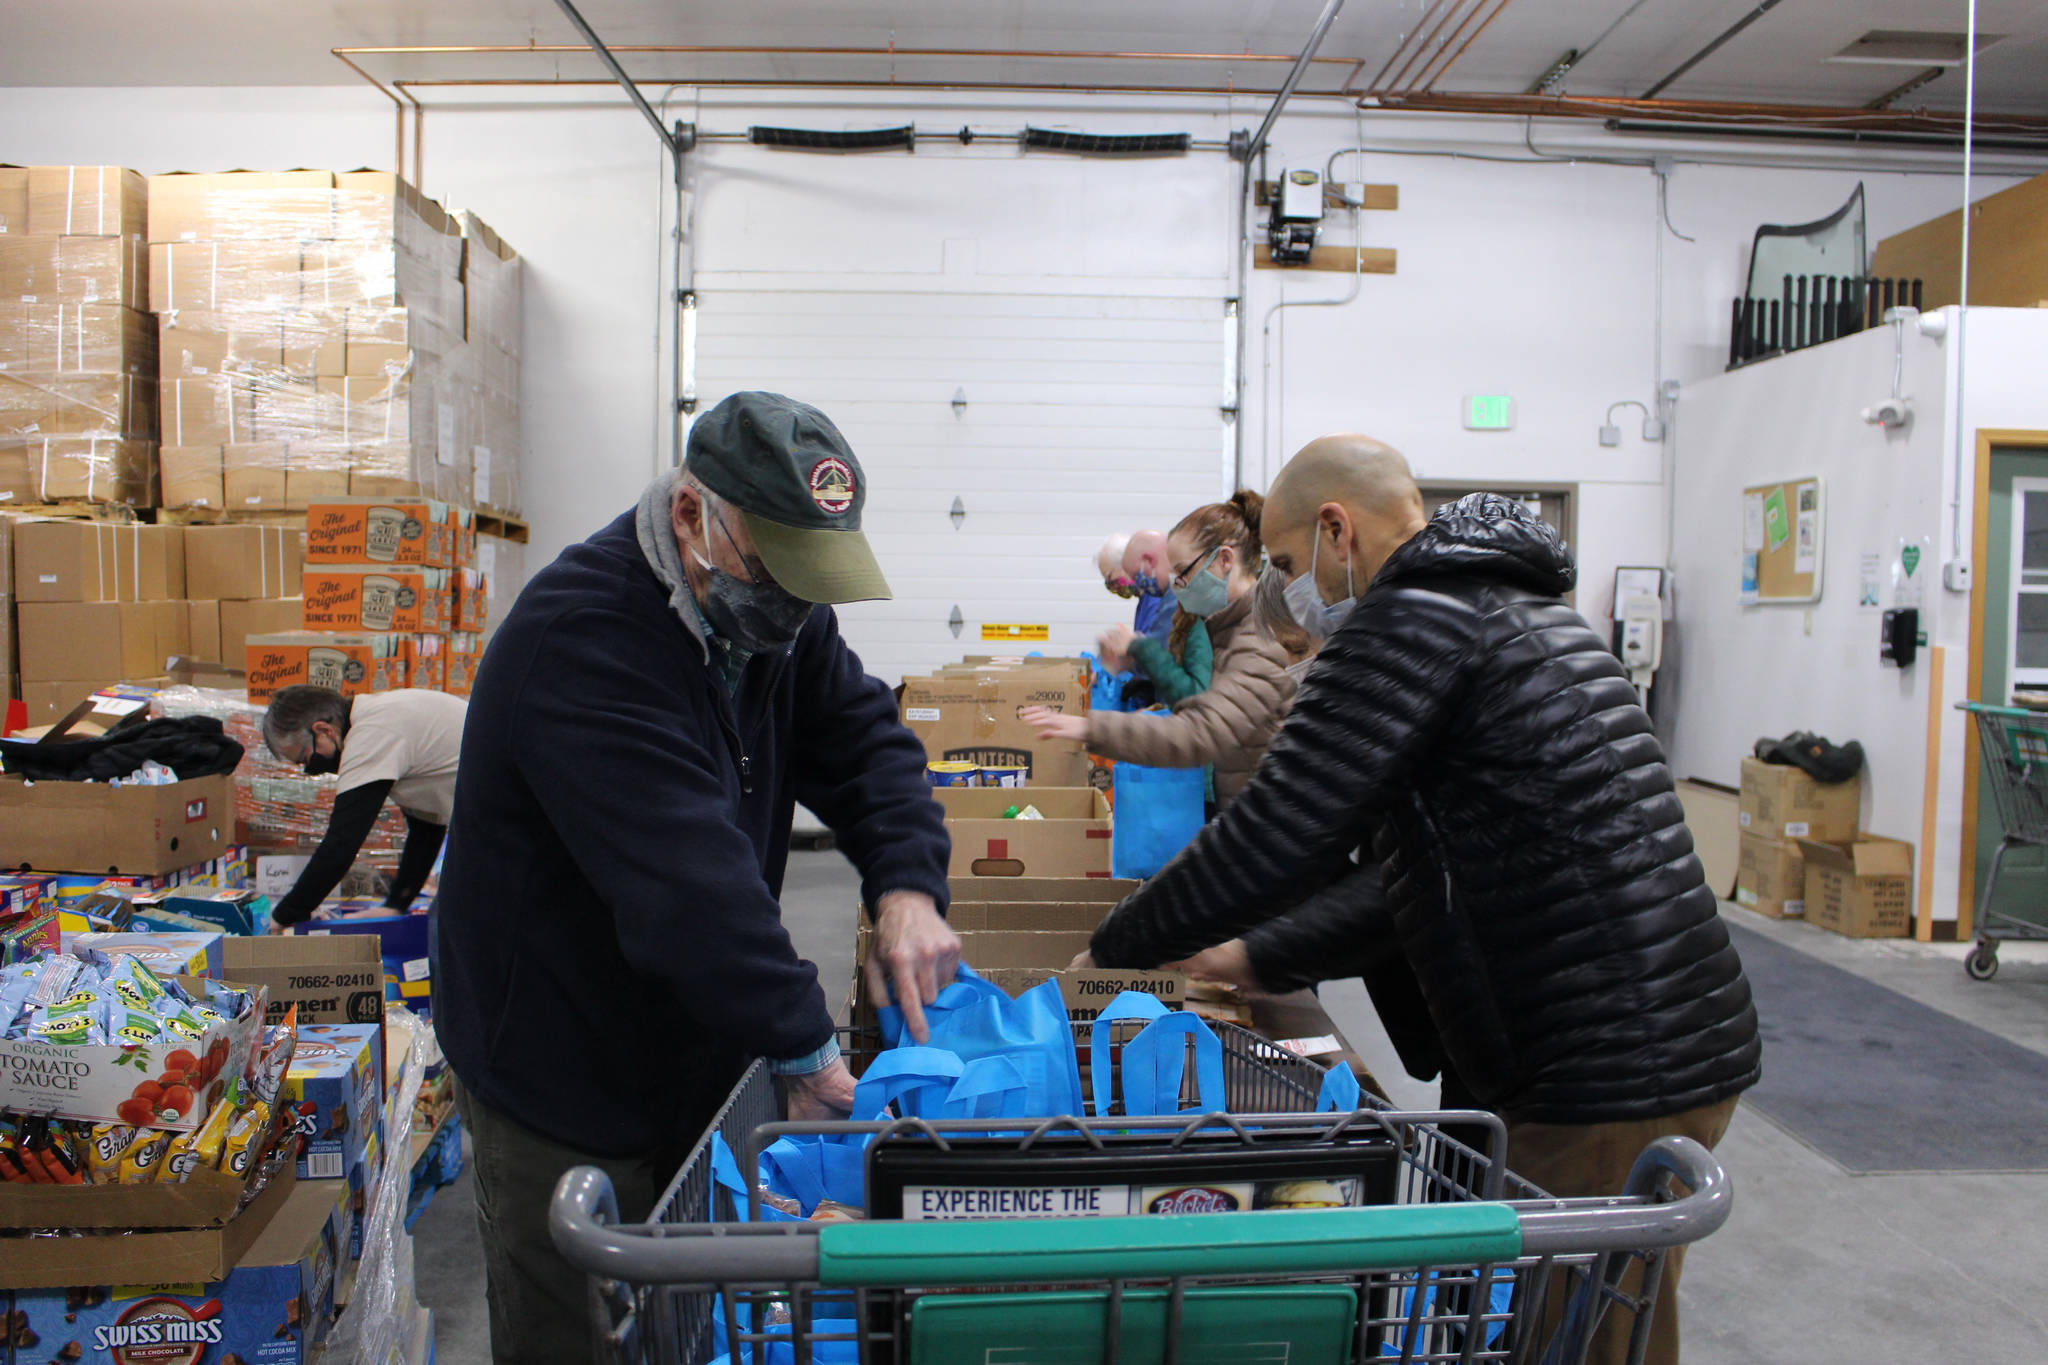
332,978
465,655
472,607
1065,890
315,471
351,597
253,476
315,341
98,561
262,616
973,717
335,1090
1073,840
47,268
1089,992
197,1256
1862,889
271,1301
350,664
967,917
106,640
87,201
201,412
95,1081
202,345
204,619
242,562
74,339
13,199
106,469
1783,802
191,476
241,206
427,662
233,277
172,954
1771,877
66,826
366,531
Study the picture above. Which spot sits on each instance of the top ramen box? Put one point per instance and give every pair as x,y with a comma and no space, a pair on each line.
376,531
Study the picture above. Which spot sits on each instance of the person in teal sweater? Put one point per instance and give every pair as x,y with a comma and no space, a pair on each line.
1175,679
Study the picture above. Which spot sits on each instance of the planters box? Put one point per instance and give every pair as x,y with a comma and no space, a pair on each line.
367,531
269,1303
1862,889
333,1092
168,954
1071,841
90,1082
973,718
1782,802
335,979
192,1257
1064,890
137,830
350,664
1771,879
350,597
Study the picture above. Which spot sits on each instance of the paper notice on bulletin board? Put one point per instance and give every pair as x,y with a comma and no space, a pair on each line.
1752,523
1777,521
1749,588
1869,580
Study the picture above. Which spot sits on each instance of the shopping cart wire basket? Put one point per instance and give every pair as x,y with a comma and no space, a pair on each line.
1463,1263
2014,741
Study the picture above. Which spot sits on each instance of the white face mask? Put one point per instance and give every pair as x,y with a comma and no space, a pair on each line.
1305,600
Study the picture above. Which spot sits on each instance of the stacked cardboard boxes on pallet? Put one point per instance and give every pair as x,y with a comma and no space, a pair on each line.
78,411
387,589
318,341
1802,855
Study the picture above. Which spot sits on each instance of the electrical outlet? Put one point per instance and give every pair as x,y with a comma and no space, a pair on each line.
1653,429
1610,436
1955,575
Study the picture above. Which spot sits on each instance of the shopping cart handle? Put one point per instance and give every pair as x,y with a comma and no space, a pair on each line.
583,1220
1639,1224
1027,1251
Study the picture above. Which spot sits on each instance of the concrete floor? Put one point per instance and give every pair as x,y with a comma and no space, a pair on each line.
1816,1266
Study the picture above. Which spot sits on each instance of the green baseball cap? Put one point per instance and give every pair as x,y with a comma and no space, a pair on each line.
796,482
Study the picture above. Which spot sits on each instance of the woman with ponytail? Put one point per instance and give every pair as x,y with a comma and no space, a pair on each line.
1216,557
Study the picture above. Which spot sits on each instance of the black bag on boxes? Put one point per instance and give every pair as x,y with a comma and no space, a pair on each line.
190,746
1820,760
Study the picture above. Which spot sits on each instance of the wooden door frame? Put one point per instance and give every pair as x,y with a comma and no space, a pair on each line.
1980,551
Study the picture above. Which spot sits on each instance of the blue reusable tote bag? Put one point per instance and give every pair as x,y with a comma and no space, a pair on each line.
1158,811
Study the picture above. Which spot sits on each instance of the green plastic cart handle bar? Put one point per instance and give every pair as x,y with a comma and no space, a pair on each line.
899,1255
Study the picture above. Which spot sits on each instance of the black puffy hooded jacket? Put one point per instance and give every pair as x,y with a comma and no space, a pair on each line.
1540,878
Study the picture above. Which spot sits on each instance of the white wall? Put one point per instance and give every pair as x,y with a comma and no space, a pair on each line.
1532,280
1746,671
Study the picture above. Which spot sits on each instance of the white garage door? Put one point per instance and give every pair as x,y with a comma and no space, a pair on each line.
1082,415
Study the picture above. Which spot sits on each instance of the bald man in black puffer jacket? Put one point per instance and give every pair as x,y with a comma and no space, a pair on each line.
1471,728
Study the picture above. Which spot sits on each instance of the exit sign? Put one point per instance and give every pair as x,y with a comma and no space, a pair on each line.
1489,412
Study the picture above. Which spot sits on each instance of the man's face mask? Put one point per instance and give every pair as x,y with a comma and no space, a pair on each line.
318,764
1121,586
757,616
1145,585
1305,600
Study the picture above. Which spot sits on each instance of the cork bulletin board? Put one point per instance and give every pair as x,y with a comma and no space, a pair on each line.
1784,537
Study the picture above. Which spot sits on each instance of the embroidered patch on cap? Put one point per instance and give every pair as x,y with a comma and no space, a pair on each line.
832,484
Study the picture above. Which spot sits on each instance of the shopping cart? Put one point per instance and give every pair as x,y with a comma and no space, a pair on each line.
2015,745
1467,1263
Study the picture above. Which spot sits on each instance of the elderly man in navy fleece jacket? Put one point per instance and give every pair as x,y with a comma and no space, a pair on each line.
609,955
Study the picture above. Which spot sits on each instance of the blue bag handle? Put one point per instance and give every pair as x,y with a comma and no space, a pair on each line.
960,993
917,1079
1155,1060
1003,1086
1340,1090
1127,1005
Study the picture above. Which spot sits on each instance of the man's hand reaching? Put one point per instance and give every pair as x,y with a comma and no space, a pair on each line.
916,949
1227,963
820,1097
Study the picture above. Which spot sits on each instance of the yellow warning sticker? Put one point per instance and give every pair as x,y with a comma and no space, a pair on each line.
992,631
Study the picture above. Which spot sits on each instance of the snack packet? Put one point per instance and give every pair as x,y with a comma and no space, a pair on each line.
247,1127
274,1057
144,1157
103,1152
67,1030
49,1146
832,1211
134,984
126,1025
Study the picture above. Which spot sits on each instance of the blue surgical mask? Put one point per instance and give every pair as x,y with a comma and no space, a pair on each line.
1204,594
1319,618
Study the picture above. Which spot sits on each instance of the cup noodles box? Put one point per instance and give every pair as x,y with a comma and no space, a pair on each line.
273,1308
351,664
352,597
370,531
465,652
334,1092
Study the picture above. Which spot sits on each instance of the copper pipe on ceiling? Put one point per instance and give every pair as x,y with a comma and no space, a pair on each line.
1445,68
398,138
692,49
1379,82
1421,48
1679,112
753,83
1415,79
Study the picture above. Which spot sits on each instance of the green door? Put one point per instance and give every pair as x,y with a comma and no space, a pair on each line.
2014,602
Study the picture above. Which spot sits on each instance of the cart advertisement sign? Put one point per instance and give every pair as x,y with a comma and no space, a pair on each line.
973,1203
145,1085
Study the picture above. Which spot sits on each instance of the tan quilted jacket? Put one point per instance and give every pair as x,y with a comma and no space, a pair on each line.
1228,726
